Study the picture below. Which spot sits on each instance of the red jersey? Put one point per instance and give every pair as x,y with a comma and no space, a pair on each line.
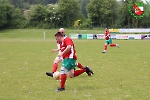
107,35
72,53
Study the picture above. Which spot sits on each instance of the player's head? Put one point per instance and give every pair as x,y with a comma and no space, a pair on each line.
106,29
62,30
59,36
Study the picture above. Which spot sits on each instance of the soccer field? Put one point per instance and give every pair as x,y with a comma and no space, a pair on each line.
120,74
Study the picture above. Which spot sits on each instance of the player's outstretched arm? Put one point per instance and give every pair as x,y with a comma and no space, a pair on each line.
55,50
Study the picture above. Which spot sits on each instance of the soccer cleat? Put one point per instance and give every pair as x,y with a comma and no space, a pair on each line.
60,89
49,74
117,45
103,51
88,71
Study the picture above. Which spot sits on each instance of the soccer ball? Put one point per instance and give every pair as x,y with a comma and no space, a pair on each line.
56,75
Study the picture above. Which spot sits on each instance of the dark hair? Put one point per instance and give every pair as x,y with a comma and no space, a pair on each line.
59,34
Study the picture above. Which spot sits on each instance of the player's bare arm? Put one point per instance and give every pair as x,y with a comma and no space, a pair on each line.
65,51
55,50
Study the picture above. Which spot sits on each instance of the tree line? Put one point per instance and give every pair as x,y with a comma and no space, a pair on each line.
70,13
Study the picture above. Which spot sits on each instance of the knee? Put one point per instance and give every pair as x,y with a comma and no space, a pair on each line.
71,76
71,73
56,60
63,70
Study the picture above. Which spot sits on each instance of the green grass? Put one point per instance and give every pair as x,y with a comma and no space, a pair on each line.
38,33
120,74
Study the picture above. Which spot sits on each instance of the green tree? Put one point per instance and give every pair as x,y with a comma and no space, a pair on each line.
17,19
102,12
3,15
52,16
69,11
83,4
126,19
37,16
17,3
43,2
145,22
26,5
10,17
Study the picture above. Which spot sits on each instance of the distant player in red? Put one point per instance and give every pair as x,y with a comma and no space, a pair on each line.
108,41
59,59
68,53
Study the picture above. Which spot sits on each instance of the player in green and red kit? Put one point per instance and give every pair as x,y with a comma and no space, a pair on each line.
108,41
68,53
59,59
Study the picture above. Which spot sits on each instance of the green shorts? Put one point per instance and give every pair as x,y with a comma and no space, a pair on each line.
69,63
109,41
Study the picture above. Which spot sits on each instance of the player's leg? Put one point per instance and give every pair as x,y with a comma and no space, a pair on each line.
55,66
113,45
63,79
105,46
73,73
79,65
65,67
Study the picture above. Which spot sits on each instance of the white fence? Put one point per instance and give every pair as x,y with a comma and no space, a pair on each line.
114,36
134,30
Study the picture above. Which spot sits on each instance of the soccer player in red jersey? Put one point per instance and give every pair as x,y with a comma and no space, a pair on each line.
68,53
59,59
108,41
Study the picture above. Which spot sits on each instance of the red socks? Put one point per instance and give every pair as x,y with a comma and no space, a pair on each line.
113,45
79,65
64,77
105,47
79,72
55,66
63,80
